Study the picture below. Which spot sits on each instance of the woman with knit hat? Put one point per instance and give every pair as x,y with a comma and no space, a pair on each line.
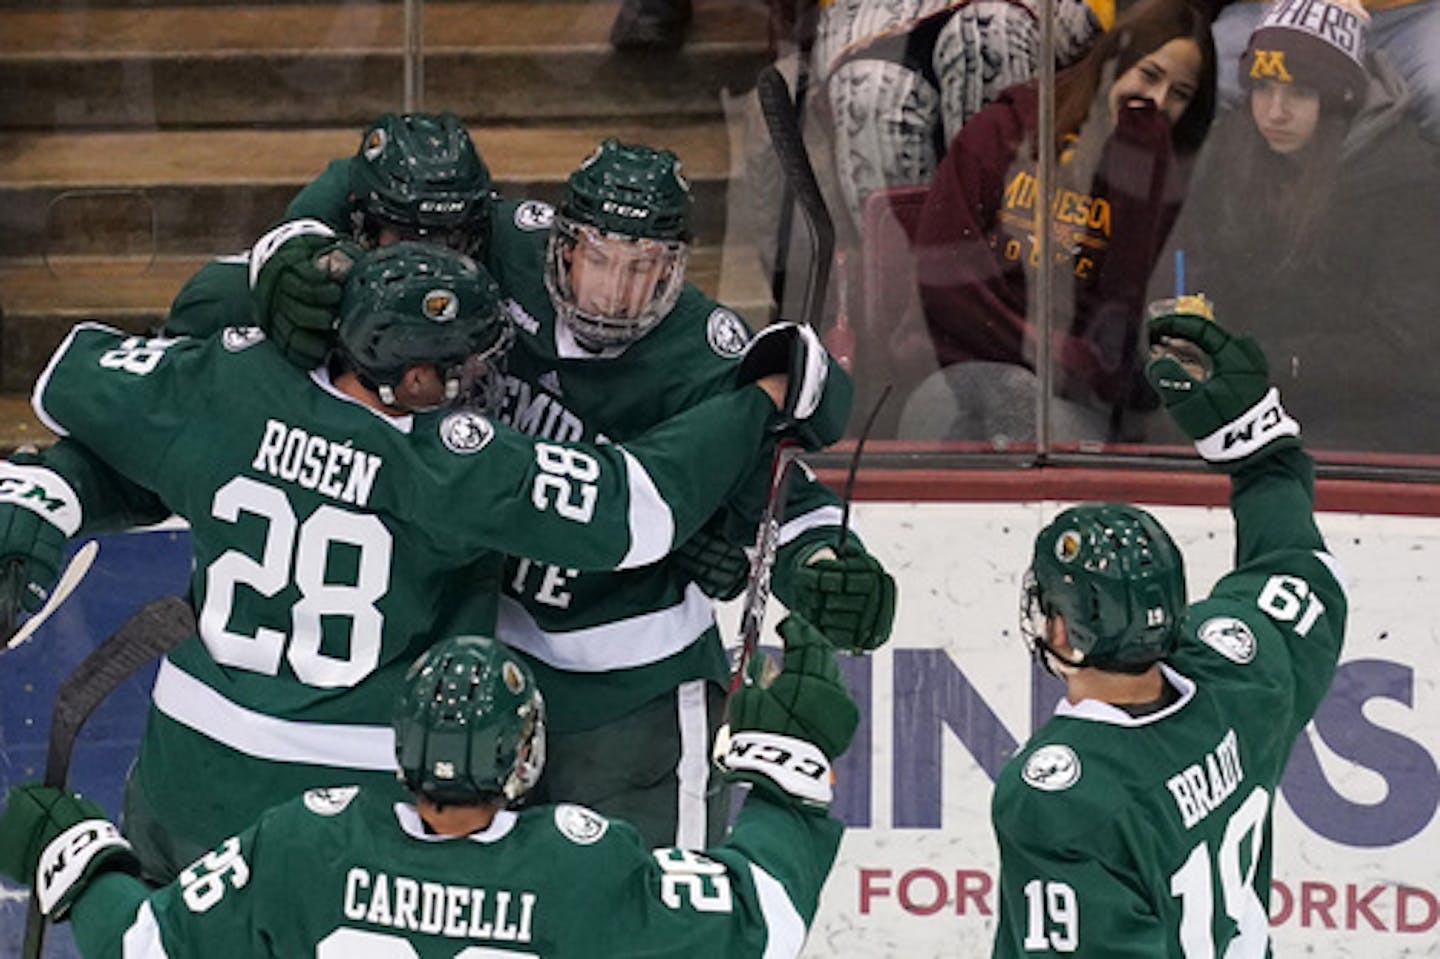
1313,222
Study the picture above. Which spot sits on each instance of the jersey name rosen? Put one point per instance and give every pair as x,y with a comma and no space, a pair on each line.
337,470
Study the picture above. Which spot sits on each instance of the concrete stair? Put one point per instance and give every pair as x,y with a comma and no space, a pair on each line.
139,139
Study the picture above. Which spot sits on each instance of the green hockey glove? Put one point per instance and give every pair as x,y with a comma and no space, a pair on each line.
789,729
58,841
719,567
38,512
297,275
1215,385
849,597
818,393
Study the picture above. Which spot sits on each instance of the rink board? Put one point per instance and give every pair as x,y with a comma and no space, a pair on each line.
944,704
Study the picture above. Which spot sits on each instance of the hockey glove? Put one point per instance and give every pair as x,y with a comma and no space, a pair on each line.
58,842
1215,385
818,394
38,512
297,274
719,567
849,597
788,731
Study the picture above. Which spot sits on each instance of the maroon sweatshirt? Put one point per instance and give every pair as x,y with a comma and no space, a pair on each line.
976,247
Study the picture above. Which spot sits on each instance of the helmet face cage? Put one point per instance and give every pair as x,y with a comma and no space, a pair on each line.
628,284
470,725
413,304
1117,578
418,176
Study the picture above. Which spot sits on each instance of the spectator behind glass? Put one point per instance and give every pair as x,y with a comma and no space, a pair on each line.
1123,148
1407,32
1313,222
900,77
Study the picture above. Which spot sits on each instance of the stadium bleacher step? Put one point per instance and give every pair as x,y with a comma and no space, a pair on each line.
340,64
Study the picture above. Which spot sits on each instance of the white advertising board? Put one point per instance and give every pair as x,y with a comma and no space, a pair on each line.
1357,860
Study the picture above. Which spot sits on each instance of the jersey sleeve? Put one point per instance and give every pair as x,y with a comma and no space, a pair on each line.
325,198
109,502
216,296
615,506
754,895
1285,574
216,907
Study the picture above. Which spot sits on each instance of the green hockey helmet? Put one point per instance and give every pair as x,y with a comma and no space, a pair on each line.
470,724
412,304
619,244
419,175
1118,580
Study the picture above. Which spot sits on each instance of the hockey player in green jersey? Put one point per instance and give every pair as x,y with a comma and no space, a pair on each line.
340,520
1137,821
452,869
611,339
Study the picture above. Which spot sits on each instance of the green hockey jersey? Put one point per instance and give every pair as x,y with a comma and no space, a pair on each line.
648,630
551,881
333,543
1151,837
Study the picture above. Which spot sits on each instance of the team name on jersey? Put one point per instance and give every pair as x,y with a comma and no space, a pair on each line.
541,414
1201,788
432,908
337,470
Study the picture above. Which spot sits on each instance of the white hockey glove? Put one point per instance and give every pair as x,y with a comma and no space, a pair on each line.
818,394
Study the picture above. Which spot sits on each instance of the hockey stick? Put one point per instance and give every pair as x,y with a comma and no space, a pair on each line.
849,494
781,121
69,580
783,124
158,627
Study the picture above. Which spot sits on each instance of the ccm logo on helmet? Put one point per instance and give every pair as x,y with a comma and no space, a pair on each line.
625,209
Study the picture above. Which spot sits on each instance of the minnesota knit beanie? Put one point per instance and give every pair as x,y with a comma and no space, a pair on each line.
1314,43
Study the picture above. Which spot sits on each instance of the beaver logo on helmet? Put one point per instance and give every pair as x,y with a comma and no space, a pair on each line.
1067,547
374,143
441,305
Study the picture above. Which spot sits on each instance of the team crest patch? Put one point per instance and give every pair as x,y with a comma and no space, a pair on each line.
465,432
1230,637
727,333
581,826
237,338
1052,768
330,802
534,215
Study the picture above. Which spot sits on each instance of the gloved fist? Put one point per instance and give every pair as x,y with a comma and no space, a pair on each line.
58,842
818,392
849,597
708,559
788,728
38,512
1215,385
296,282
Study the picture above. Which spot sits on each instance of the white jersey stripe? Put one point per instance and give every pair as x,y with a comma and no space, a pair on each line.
693,769
816,518
652,525
142,939
634,641
784,929
191,703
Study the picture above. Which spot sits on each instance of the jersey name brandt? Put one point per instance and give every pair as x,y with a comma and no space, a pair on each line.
459,912
337,470
1203,787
